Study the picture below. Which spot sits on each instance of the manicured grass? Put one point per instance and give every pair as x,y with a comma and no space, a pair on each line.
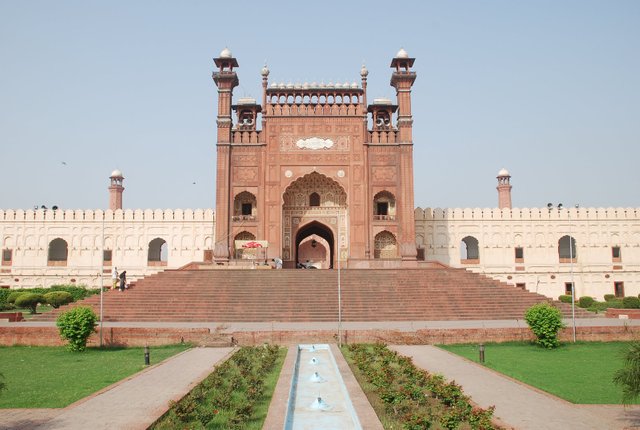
580,372
52,377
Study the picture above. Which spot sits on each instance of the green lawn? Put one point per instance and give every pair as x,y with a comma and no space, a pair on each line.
52,377
580,372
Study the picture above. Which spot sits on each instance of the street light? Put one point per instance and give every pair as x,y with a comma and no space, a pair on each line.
573,287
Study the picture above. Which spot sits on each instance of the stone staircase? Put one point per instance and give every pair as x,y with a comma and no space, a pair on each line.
425,294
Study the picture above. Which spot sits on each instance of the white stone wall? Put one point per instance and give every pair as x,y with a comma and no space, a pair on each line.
189,233
537,231
126,232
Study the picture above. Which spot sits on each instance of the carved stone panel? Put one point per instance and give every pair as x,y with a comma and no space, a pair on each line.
384,174
245,174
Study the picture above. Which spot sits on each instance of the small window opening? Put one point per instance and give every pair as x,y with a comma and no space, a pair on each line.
616,254
383,208
519,254
314,199
618,289
568,287
247,208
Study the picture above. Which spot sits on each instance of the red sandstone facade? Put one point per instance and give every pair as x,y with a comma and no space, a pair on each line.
316,182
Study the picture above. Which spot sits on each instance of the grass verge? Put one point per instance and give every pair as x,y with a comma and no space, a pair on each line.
235,396
52,377
579,372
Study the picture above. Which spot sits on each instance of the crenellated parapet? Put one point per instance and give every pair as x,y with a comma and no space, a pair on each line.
20,215
488,214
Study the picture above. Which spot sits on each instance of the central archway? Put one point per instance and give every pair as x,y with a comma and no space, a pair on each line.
306,235
314,211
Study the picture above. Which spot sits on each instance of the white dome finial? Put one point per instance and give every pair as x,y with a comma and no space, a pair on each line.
116,174
402,54
226,53
503,172
363,71
265,71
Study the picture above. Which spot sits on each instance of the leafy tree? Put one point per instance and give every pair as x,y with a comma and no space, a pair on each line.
545,322
29,300
76,325
629,376
58,298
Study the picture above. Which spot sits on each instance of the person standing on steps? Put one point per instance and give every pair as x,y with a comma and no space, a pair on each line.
114,278
277,263
123,280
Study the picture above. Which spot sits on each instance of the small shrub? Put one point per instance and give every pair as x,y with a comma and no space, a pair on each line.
545,321
585,301
631,303
11,298
29,300
565,299
58,298
609,297
76,325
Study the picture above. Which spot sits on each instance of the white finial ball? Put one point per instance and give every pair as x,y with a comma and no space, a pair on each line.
226,53
265,71
402,54
503,172
363,71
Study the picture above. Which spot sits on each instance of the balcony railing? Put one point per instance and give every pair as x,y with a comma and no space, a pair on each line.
384,217
241,218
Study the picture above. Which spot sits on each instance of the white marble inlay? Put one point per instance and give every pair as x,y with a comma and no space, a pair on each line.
314,143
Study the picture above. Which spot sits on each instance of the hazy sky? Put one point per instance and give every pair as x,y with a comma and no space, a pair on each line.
549,90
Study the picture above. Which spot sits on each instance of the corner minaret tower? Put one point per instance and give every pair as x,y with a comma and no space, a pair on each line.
402,80
504,189
226,80
115,190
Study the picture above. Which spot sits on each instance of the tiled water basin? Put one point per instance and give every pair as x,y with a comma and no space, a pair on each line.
318,399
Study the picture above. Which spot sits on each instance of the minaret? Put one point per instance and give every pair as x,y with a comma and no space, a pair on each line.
402,80
226,80
504,189
115,190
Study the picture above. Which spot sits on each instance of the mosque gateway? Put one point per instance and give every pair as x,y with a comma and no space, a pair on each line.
320,174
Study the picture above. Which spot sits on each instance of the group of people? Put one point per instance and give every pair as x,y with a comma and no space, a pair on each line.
119,279
277,264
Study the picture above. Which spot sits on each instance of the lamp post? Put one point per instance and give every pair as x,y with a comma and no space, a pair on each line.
573,287
102,281
339,288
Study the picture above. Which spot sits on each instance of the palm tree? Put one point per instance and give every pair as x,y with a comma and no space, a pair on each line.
629,376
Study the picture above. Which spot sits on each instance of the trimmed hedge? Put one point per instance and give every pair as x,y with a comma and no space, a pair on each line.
565,299
585,301
609,297
631,303
11,298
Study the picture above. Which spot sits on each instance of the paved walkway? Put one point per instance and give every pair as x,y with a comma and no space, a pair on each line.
408,326
518,405
132,404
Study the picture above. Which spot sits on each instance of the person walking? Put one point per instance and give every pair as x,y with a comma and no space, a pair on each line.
123,280
114,278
